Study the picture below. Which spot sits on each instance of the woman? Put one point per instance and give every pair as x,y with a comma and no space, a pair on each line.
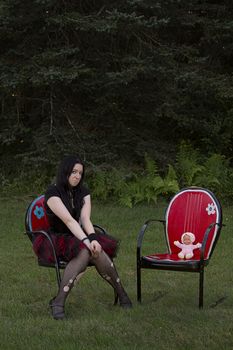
68,207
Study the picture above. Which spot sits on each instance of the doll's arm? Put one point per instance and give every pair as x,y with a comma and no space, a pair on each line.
198,245
178,244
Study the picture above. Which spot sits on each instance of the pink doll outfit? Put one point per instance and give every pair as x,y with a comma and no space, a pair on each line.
187,249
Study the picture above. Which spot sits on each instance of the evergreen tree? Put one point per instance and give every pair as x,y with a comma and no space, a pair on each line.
112,80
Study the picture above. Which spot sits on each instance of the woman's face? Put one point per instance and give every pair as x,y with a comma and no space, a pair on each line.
75,175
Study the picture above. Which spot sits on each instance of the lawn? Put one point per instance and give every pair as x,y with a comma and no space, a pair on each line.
168,317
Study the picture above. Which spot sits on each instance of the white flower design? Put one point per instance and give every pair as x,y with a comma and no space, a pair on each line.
210,209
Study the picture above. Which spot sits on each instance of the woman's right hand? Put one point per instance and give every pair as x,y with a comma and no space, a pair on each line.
95,248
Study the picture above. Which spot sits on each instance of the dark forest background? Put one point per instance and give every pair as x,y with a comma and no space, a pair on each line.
115,81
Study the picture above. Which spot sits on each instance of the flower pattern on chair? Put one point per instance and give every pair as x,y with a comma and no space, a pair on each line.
211,209
39,212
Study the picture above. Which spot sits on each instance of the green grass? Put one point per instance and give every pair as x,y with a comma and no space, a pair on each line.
168,317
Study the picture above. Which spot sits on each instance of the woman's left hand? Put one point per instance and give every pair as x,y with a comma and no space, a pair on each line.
95,248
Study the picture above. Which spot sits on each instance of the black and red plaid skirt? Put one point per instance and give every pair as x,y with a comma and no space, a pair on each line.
68,246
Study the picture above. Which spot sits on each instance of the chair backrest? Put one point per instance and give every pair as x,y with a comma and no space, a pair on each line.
36,218
193,210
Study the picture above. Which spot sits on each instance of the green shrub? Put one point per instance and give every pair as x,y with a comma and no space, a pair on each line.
33,183
213,172
217,176
131,188
188,165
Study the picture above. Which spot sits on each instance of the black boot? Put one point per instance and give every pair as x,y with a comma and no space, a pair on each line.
58,311
124,300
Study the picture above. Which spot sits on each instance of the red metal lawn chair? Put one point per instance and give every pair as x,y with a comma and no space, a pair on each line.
194,210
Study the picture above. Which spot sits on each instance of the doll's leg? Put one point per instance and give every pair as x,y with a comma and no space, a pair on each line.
181,255
107,271
189,255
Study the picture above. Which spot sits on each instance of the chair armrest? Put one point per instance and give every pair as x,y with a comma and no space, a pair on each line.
103,231
142,232
206,235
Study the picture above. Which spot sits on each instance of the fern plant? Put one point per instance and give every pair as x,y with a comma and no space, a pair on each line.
170,183
188,165
147,185
143,187
98,186
217,175
135,187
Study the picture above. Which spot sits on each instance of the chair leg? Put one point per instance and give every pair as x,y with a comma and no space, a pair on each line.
139,296
115,297
201,288
58,275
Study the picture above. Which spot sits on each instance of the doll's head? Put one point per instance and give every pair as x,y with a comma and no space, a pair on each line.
187,238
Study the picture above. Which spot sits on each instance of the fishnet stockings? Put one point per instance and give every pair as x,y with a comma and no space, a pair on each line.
105,268
72,270
108,272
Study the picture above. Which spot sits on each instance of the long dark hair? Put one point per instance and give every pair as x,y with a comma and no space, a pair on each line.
64,171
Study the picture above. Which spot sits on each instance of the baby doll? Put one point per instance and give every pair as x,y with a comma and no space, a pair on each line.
187,245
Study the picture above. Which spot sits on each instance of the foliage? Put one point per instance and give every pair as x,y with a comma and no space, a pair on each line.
132,186
146,185
217,175
113,80
171,183
213,172
187,164
143,185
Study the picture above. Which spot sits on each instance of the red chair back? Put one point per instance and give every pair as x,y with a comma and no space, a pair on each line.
193,210
36,218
